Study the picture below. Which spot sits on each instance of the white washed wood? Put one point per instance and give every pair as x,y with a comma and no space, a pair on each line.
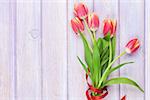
147,49
54,45
109,9
77,85
132,25
28,42
5,52
12,31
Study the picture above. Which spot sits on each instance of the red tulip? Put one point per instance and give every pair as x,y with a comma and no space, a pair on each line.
93,21
77,25
80,10
132,45
109,27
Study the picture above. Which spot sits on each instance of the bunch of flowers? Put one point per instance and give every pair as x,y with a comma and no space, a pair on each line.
100,56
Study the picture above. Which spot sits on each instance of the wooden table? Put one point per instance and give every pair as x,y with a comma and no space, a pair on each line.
38,49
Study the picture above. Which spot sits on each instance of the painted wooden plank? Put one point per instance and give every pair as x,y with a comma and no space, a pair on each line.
132,25
109,9
5,51
12,30
76,76
147,49
28,42
54,45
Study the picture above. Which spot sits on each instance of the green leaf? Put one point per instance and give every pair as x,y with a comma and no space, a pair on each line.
105,44
107,37
83,65
105,52
122,80
113,46
104,61
99,42
87,52
104,56
104,67
96,63
102,44
96,57
117,67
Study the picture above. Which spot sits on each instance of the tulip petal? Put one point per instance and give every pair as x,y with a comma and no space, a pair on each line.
80,10
132,45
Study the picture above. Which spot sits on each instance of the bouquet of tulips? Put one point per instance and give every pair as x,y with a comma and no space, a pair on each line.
100,56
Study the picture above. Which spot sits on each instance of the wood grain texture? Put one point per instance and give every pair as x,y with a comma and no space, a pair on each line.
109,9
131,26
54,45
5,52
28,48
38,49
76,76
147,49
12,31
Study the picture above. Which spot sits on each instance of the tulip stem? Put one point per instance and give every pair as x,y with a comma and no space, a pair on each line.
87,27
107,69
94,35
110,52
86,40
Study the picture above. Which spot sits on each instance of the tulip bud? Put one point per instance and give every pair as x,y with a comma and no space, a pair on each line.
80,10
77,25
109,27
132,46
93,21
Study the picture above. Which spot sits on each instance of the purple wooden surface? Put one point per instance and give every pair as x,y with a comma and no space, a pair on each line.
147,49
54,49
131,26
28,50
38,48
5,52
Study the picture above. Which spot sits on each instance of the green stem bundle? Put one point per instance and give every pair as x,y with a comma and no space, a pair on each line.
104,76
